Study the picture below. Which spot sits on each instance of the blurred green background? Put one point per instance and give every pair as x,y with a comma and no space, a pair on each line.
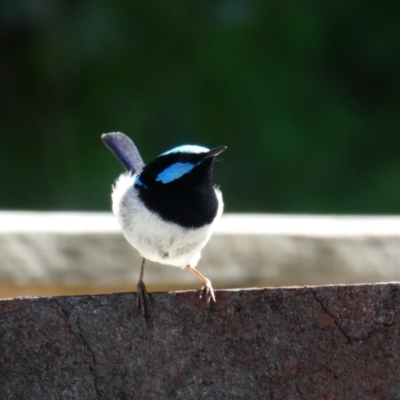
305,94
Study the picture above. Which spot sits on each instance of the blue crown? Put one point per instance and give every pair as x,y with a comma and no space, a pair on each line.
187,148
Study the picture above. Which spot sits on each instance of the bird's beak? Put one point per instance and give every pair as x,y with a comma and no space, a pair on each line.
214,152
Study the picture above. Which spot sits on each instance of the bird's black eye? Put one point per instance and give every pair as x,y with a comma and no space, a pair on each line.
184,159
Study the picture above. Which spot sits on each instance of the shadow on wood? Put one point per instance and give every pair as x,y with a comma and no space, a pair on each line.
333,342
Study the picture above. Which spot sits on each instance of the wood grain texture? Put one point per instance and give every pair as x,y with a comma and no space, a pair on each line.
88,249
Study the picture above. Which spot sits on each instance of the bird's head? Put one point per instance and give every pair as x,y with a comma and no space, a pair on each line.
177,185
183,166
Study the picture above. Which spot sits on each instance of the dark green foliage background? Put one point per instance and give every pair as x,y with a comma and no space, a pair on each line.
304,93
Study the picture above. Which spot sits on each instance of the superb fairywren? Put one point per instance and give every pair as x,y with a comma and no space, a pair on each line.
167,208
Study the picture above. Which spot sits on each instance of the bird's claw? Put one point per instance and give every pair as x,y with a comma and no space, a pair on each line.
142,297
207,292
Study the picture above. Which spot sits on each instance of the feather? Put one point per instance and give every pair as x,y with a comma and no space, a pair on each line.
125,151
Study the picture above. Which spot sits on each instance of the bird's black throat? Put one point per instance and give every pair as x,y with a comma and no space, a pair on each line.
189,201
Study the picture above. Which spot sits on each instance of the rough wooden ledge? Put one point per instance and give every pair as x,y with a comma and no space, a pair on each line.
81,249
333,342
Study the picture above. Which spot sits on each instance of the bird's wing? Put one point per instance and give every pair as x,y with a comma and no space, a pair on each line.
125,150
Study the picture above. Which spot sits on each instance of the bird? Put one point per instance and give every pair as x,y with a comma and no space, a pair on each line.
167,209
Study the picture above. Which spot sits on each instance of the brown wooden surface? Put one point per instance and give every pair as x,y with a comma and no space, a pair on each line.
334,342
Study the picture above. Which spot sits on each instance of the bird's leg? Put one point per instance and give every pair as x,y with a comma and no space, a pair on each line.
142,295
207,289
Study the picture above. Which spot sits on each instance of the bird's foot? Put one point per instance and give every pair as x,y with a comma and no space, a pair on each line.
207,292
142,297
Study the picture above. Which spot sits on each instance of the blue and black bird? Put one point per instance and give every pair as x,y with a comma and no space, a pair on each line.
167,208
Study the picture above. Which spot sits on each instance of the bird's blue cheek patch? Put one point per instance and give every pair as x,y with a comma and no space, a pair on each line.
175,171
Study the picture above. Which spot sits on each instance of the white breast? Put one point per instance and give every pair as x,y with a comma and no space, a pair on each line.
155,239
